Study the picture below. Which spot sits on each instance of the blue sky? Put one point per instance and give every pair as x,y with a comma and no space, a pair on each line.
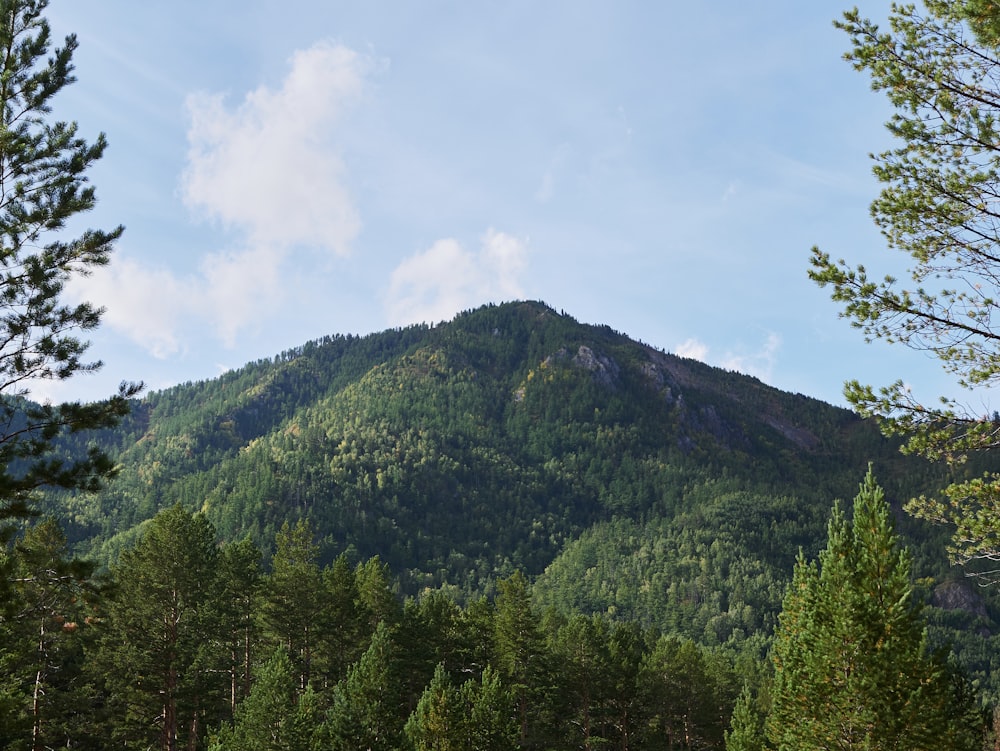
295,169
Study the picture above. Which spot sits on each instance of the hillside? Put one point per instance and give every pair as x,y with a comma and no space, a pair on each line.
625,479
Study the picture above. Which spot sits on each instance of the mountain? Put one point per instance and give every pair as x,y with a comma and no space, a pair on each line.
625,479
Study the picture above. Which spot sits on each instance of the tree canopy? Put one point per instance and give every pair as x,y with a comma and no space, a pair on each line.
940,207
851,665
43,185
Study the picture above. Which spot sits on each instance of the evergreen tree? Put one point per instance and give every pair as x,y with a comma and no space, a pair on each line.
42,645
939,68
162,655
375,595
477,716
683,700
627,674
239,591
492,724
43,185
366,709
344,634
522,656
581,647
269,719
437,724
747,726
851,665
293,596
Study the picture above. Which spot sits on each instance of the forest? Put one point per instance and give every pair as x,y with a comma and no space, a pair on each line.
510,530
378,534
188,644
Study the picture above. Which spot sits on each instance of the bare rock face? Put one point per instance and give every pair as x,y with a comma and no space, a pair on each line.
604,369
958,595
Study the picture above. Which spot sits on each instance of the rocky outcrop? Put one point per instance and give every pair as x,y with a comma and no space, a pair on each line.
605,370
958,595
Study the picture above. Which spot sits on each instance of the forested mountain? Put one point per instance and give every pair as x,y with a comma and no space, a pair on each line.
489,443
629,480
510,450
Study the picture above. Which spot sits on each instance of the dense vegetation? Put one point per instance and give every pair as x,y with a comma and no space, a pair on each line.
395,533
197,646
467,450
623,480
507,531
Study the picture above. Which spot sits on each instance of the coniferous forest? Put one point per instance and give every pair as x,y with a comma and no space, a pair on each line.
507,531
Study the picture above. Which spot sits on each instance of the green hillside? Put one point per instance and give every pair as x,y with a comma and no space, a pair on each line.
626,480
572,536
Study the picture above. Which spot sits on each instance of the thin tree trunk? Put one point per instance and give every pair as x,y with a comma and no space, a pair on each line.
38,692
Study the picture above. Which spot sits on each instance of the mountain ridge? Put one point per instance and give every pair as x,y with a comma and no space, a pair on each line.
622,479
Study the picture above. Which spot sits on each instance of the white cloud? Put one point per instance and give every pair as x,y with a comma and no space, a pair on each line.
269,171
694,349
143,303
269,168
446,278
547,185
239,285
759,363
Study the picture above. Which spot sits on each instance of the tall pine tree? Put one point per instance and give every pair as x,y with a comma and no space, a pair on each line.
852,670
43,185
163,655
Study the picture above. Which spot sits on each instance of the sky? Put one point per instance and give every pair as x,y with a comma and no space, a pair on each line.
288,170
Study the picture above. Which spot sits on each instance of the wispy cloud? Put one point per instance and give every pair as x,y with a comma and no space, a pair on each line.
143,303
270,172
269,167
693,349
446,278
758,363
547,185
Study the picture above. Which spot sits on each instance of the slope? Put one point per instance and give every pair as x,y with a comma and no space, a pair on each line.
629,480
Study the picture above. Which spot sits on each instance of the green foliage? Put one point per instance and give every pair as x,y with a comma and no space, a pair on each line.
850,658
46,699
476,716
620,480
938,68
294,597
366,709
461,453
43,167
273,717
747,733
160,653
170,665
437,724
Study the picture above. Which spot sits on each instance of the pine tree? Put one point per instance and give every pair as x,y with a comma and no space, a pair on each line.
344,636
852,670
239,590
366,709
43,185
939,67
581,647
269,718
42,647
476,716
293,596
521,655
163,655
492,724
375,593
747,725
437,724
683,699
